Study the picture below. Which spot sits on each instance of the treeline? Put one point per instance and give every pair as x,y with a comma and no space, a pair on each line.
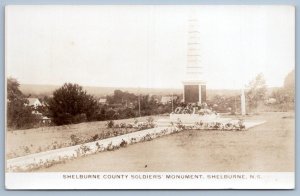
71,104
285,96
257,99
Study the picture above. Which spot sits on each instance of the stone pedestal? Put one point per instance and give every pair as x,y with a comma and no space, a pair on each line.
194,92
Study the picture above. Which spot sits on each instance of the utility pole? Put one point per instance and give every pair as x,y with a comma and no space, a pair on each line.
235,106
172,103
243,102
139,100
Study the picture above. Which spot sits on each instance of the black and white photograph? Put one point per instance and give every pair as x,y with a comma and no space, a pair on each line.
150,97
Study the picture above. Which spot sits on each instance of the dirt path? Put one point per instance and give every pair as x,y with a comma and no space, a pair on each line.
265,148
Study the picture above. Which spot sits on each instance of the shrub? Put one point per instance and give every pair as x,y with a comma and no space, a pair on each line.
123,143
71,104
110,114
79,118
241,124
95,137
126,113
99,147
84,149
26,150
110,147
74,139
147,137
110,124
150,120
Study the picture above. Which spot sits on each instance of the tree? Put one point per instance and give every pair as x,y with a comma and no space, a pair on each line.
225,103
120,97
71,104
289,86
289,81
13,91
19,114
256,91
285,95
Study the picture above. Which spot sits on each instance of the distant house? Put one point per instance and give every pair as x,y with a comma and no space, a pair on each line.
270,101
155,98
102,100
45,120
35,102
167,99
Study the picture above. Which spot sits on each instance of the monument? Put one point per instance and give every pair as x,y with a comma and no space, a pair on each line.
194,90
194,85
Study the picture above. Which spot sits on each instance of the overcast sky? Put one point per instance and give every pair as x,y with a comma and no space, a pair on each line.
146,46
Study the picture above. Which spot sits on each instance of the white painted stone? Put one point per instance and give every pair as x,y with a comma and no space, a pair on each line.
24,162
72,151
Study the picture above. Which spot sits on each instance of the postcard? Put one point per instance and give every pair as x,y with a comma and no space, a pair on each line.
150,97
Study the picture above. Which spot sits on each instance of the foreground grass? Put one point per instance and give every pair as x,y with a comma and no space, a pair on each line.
265,148
23,142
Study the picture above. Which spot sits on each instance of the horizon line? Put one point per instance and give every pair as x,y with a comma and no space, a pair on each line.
122,87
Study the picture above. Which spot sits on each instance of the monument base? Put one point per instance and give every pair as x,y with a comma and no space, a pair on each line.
192,119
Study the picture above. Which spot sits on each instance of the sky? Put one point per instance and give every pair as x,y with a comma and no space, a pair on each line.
146,46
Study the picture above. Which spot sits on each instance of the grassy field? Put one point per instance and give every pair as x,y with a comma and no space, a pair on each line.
266,148
23,142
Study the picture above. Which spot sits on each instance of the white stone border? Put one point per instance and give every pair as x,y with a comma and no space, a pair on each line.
48,158
37,160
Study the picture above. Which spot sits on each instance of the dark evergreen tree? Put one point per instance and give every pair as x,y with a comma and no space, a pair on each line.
71,104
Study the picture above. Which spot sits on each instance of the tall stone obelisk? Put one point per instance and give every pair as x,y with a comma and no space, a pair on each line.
194,85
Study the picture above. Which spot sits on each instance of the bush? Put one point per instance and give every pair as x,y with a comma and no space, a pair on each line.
126,113
123,143
95,137
101,114
110,115
110,124
71,104
74,139
79,118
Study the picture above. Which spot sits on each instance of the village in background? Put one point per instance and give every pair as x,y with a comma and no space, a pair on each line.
32,106
48,122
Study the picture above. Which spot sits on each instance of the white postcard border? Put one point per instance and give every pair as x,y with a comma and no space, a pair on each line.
151,180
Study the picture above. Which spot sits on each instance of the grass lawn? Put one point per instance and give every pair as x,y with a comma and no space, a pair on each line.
266,148
23,142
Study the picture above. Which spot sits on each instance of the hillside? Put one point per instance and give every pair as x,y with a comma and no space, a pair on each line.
43,90
46,90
